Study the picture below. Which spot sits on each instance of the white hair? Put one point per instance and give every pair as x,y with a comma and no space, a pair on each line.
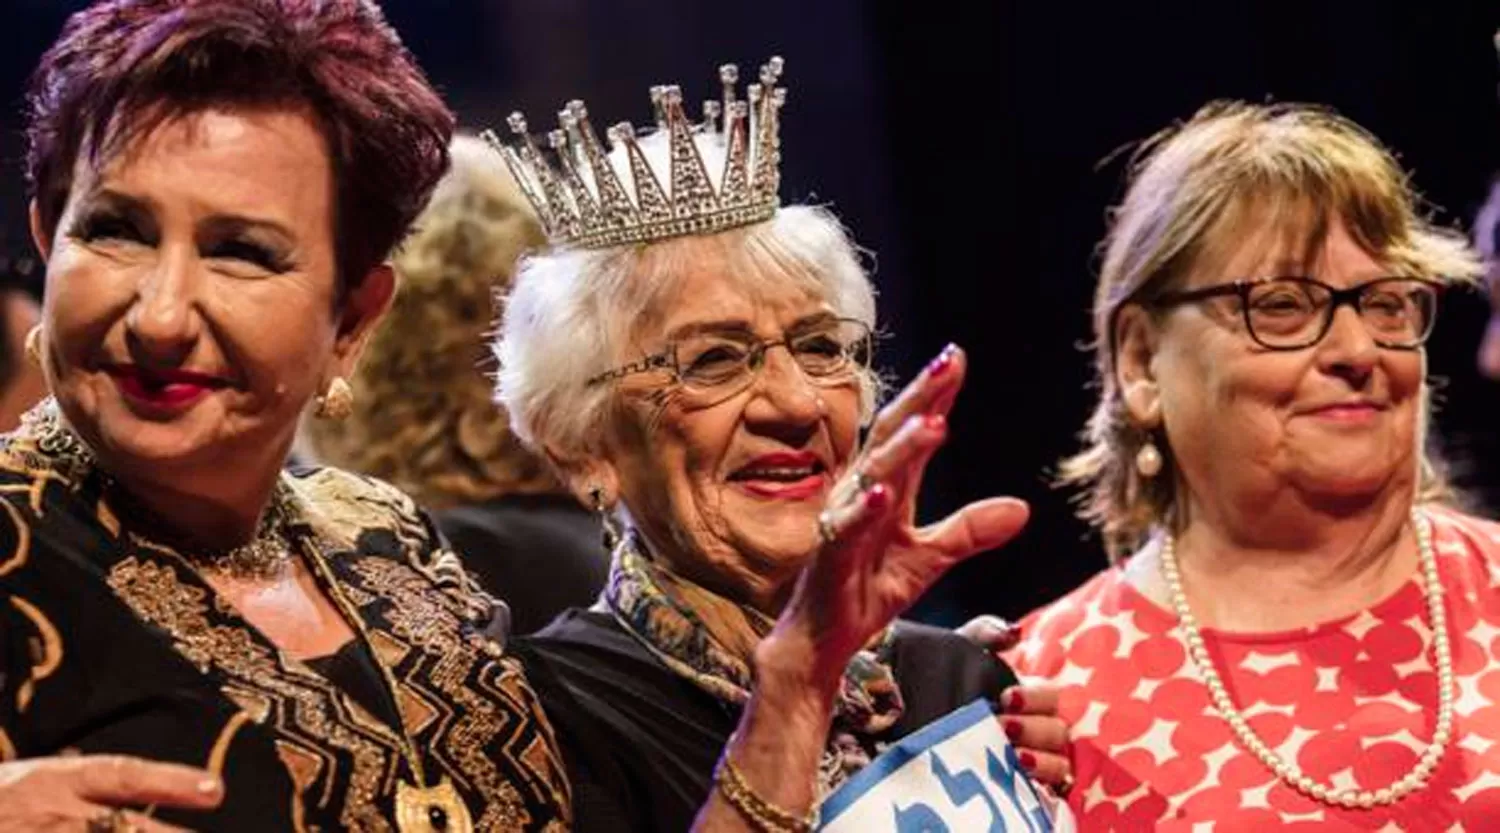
573,314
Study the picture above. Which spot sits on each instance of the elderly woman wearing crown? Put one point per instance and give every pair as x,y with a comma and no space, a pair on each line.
1298,628
695,359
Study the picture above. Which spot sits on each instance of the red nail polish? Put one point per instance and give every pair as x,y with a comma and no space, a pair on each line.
1012,700
936,422
877,496
1028,761
1012,729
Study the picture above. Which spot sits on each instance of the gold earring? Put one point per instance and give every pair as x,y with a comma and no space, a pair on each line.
337,402
1148,460
34,345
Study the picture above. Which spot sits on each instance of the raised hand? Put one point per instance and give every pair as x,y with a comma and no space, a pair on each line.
89,792
875,561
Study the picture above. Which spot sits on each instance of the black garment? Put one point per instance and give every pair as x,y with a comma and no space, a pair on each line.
352,670
109,644
640,742
542,554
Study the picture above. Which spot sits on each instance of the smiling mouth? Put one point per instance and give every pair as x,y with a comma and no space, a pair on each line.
783,480
163,390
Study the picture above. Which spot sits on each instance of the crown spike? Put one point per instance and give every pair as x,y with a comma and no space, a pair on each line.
553,209
766,176
649,195
734,187
658,105
615,207
588,210
692,192
594,199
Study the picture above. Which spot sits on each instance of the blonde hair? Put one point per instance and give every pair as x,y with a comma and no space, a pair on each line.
424,419
575,313
1191,188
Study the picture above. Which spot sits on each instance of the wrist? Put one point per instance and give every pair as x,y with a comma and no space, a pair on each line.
788,670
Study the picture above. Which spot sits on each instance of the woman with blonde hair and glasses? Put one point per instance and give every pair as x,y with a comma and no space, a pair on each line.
1295,628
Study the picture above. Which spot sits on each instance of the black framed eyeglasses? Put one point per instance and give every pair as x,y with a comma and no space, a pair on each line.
713,364
1293,313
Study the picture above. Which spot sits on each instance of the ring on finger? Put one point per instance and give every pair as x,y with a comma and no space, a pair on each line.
111,821
863,482
826,530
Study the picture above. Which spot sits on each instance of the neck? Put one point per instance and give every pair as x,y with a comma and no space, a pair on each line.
1297,566
217,521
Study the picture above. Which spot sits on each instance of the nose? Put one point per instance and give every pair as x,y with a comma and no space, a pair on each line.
163,323
1489,349
784,399
1348,350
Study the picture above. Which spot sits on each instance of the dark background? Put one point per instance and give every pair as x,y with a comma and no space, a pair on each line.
962,143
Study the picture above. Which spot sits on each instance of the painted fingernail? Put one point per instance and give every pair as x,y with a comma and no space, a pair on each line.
1028,761
1012,729
935,422
876,496
944,360
1012,699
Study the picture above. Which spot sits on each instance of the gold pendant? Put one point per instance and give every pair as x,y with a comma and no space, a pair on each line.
436,809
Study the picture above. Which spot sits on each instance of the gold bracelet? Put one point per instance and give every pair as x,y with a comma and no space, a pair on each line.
762,814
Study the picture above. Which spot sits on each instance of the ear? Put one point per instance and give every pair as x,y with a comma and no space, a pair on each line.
361,311
585,474
39,236
1137,342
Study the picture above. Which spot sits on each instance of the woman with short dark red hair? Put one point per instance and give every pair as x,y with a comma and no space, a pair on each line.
216,186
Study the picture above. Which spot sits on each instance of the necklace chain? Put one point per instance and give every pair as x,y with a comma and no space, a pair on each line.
1288,771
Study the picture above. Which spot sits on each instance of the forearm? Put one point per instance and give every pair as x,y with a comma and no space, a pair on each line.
781,735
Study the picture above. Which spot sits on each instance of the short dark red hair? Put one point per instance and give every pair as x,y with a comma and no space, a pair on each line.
121,67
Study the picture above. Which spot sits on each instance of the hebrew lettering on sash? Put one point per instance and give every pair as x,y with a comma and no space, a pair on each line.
918,818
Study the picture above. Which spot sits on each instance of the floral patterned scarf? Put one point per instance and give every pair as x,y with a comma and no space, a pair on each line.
710,640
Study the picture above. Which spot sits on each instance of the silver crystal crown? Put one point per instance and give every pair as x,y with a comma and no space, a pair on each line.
584,202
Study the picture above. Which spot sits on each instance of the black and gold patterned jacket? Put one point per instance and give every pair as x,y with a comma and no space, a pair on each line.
109,643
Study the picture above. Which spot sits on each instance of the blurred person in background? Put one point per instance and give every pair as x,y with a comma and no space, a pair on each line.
426,420
21,381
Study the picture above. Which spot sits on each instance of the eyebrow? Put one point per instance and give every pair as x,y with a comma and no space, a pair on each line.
739,326
218,225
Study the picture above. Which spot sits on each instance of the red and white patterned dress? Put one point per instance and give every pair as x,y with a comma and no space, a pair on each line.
1353,702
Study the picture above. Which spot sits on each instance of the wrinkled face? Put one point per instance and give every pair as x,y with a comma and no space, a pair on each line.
190,297
729,492
1487,240
1335,421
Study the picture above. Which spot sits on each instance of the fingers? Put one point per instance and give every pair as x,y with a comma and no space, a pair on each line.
1036,698
932,392
1047,768
132,821
899,460
842,527
980,526
120,779
1039,733
990,633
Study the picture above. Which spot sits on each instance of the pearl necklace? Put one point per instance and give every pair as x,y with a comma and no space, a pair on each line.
1288,771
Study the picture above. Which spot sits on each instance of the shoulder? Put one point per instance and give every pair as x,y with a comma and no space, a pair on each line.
1454,530
1049,631
358,516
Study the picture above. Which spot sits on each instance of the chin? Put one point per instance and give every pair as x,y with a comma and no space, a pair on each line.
129,438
